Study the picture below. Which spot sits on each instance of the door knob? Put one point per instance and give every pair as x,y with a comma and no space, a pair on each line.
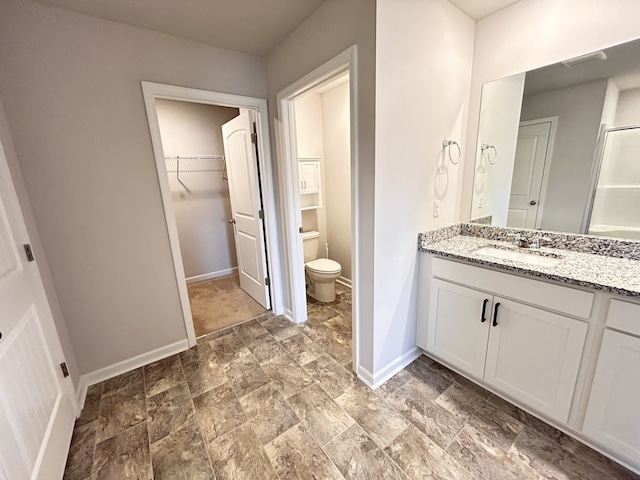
532,202
233,221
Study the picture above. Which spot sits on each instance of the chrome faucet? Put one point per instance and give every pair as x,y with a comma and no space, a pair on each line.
522,241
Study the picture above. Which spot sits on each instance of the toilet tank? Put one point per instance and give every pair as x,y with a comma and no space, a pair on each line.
310,242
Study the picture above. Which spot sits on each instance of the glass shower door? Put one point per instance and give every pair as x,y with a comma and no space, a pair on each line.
616,204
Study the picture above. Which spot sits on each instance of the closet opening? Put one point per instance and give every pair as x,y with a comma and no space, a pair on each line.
208,157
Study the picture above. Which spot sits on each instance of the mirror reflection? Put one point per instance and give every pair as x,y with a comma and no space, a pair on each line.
559,147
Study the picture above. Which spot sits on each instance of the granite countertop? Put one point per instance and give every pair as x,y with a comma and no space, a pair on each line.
615,275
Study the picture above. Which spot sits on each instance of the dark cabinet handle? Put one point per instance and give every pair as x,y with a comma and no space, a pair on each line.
495,315
484,309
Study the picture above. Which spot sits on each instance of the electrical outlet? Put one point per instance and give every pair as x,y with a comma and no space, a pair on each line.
436,208
480,201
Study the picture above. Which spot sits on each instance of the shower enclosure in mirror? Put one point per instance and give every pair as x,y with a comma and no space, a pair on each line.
616,202
559,147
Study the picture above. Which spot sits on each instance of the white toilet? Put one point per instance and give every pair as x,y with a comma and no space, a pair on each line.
321,273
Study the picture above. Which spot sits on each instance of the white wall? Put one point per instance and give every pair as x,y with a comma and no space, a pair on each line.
579,110
533,33
423,73
337,175
309,140
501,105
202,212
334,27
310,144
71,88
628,112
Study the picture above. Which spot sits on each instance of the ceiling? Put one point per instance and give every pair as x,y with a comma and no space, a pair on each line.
478,9
254,27
621,65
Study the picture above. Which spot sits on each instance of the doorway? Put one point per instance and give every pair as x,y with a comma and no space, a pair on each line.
306,181
530,172
230,278
195,160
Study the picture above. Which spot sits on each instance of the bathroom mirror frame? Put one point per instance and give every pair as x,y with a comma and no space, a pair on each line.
572,134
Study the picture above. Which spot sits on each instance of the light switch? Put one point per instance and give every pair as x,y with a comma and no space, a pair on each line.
436,208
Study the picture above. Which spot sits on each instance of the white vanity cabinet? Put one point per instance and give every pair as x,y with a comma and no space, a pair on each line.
613,413
534,356
456,332
529,353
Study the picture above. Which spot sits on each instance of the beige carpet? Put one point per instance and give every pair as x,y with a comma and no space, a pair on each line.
220,303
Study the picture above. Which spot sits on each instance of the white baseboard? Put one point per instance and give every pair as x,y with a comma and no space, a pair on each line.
210,275
344,281
374,380
288,313
102,374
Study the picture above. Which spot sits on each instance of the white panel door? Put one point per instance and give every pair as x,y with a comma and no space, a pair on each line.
612,414
246,206
528,170
534,355
36,406
459,326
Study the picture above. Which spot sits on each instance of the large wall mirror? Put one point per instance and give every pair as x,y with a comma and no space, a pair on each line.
559,147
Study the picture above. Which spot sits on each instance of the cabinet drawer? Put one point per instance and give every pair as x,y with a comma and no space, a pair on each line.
571,301
624,316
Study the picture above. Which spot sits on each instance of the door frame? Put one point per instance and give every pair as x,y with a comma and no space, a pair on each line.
344,62
547,161
152,91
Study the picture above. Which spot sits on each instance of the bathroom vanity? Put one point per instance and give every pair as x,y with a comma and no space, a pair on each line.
555,331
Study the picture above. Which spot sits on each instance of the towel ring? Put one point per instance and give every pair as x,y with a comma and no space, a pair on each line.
447,144
486,147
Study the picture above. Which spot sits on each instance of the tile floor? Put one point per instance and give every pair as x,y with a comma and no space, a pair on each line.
270,400
220,303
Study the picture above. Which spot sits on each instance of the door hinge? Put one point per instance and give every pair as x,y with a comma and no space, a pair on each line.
254,138
65,370
261,214
267,282
28,252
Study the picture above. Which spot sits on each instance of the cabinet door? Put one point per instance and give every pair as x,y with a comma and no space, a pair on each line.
534,356
456,332
309,177
612,414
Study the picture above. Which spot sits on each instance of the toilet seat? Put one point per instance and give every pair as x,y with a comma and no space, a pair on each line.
323,265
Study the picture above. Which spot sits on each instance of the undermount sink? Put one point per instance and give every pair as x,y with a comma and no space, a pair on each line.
542,259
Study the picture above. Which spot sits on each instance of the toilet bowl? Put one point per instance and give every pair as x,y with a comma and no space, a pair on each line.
320,273
321,277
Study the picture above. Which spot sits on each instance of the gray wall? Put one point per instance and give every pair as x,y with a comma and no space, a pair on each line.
579,111
202,212
71,88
